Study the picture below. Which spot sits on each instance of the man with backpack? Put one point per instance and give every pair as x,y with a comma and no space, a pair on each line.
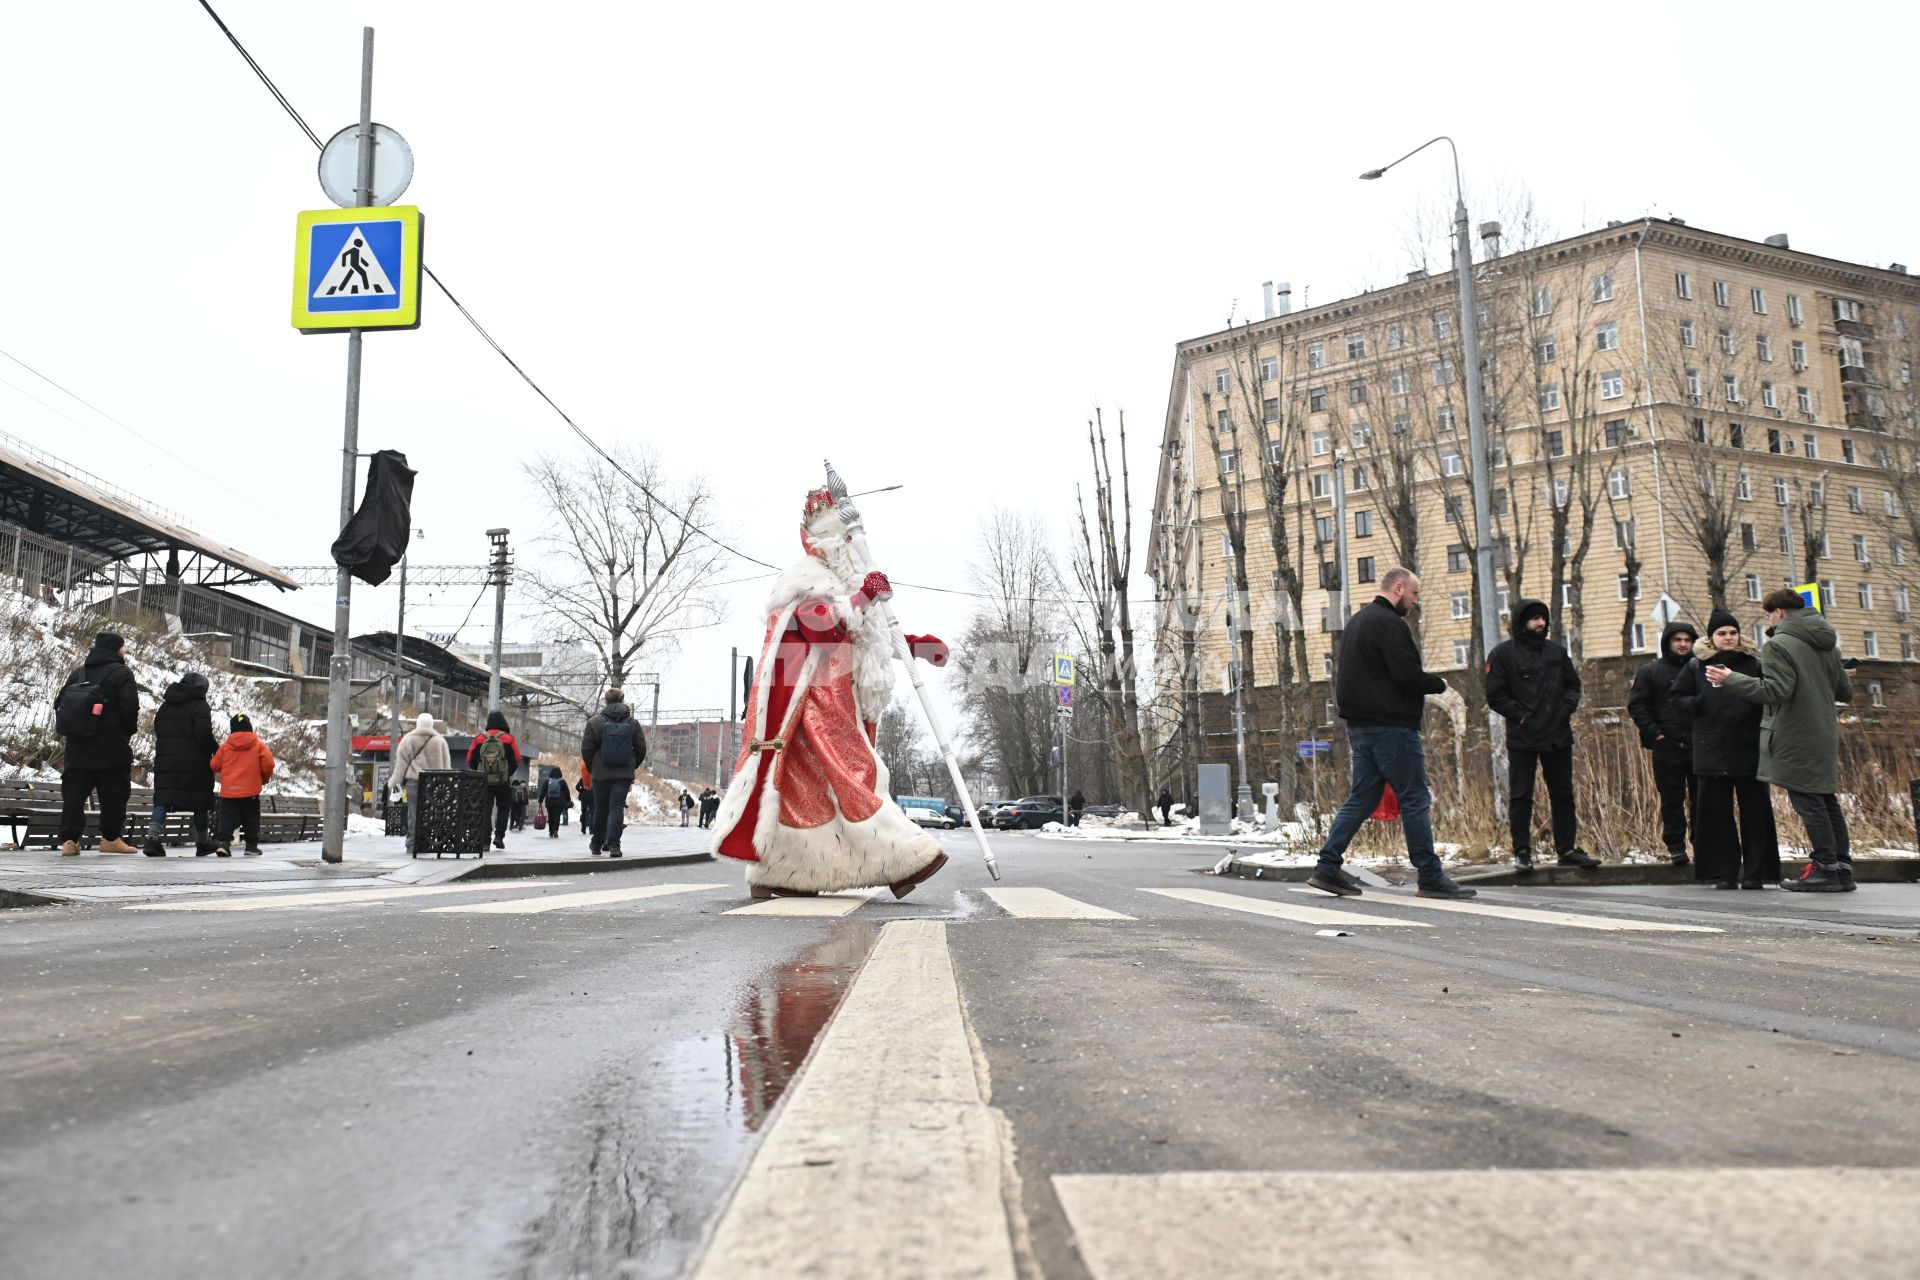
612,747
495,756
97,711
558,800
519,804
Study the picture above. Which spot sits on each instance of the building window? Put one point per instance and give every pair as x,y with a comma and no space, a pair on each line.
1323,528
1442,372
1846,309
1558,492
1606,337
1459,559
1793,308
1745,487
1462,650
1361,435
1547,349
1889,504
1906,646
1357,391
1603,287
1276,453
1693,386
1549,396
1816,493
1726,339
1222,381
1875,694
1852,354
1222,421
1767,399
1611,385
1803,397
1459,605
1363,569
1763,346
1812,443
1363,524
1228,462
1316,400
1864,593
1397,381
1730,383
1356,346
1780,490
1900,598
1622,534
1753,583
1361,481
1799,355
1396,336
1615,433
1316,356
1688,336
1556,444
1627,586
1870,648
1640,636
1846,451
1759,301
1898,550
1321,485
1720,293
1682,284
1402,425
1854,502
1442,325
1322,444
1270,409
1736,436
1450,464
1749,542
1269,368
1445,419
1543,300
1860,547
1699,430
1618,483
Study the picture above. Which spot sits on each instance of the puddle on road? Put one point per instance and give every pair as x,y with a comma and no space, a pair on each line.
665,1139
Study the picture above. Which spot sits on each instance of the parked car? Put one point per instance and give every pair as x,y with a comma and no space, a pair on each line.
956,815
928,811
1029,812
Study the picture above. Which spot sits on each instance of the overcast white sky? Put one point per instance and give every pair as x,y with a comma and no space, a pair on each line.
921,240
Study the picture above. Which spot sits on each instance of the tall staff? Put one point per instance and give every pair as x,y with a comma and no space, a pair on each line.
857,535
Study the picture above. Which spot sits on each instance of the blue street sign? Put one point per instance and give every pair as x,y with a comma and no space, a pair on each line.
1305,749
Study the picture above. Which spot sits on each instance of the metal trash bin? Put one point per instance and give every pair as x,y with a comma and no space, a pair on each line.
453,813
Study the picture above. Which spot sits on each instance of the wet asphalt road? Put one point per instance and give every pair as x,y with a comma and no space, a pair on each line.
364,1088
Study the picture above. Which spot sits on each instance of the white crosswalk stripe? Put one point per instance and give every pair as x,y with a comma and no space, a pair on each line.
1283,910
567,901
283,901
827,904
1532,915
1045,904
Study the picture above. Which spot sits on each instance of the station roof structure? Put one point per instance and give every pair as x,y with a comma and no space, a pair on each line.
454,671
55,500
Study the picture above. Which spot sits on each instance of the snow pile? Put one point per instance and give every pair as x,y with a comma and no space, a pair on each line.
361,827
42,644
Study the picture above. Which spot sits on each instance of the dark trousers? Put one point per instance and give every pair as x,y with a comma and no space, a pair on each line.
555,813
113,785
1557,767
1826,830
1166,815
1679,795
1386,756
501,798
610,814
586,813
242,812
1749,851
519,814
157,823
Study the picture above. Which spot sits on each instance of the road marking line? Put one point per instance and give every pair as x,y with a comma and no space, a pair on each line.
561,902
280,900
1283,910
1534,915
1458,1224
884,1159
827,904
1045,904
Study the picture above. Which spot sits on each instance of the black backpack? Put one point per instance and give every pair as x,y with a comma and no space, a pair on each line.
81,707
556,788
616,744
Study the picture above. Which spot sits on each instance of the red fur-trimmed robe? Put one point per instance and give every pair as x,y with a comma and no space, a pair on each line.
810,804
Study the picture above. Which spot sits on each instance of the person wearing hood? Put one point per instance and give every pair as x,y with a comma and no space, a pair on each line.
244,764
183,744
558,798
495,756
97,711
1800,680
613,747
423,748
1726,760
1663,731
1532,685
1165,805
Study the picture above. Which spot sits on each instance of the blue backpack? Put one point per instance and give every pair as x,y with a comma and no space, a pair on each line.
616,745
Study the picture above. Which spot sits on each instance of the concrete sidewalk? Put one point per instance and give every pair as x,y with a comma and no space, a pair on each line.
38,876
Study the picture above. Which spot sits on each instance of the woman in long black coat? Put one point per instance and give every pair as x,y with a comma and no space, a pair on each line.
183,746
1726,758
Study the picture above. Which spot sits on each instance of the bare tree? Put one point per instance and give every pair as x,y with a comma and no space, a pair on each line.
1007,654
1106,554
1225,433
630,566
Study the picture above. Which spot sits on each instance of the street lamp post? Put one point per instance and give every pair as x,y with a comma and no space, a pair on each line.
1479,470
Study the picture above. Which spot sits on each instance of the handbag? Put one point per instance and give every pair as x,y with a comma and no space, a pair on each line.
539,821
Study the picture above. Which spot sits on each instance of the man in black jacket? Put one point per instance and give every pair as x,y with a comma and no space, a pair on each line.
1531,683
1665,732
97,711
1382,693
613,749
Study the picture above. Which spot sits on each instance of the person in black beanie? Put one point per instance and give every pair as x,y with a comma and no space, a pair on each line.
1726,760
1531,683
1663,732
97,711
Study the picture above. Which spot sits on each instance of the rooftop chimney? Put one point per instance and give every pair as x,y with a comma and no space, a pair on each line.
1779,241
1490,238
1418,273
1266,290
1285,302
1613,222
1899,268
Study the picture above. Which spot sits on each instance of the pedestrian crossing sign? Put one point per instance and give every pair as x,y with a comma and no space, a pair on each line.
1810,593
357,269
1063,668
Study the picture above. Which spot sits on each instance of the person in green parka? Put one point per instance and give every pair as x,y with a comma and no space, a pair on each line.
1800,680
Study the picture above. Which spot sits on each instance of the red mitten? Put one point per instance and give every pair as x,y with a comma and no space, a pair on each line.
929,649
873,590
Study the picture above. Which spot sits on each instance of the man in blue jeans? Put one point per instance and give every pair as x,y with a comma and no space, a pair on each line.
1382,691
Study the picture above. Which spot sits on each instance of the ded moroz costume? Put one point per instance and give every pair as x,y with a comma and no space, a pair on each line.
810,806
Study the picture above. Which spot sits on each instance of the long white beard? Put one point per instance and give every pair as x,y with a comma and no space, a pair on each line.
835,571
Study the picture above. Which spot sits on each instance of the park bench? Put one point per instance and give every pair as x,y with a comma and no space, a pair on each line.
30,809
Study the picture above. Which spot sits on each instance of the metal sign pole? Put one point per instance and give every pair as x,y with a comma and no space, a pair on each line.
333,833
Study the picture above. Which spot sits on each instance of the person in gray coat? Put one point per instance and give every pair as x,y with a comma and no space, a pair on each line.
1800,680
423,748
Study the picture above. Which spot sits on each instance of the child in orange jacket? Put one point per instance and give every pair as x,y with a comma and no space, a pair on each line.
243,764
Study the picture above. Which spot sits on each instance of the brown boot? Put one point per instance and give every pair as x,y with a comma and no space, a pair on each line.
116,846
71,849
901,888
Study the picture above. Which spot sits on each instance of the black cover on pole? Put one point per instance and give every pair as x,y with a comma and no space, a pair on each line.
376,537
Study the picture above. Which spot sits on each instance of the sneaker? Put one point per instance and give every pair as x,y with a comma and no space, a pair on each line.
1753,884
1523,861
116,845
1846,879
1816,881
1445,888
1728,884
202,848
1336,881
252,851
1580,858
594,849
1679,859
614,853
70,849
499,842
154,849
223,852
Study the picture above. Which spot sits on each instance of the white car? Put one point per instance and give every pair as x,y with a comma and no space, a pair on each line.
928,811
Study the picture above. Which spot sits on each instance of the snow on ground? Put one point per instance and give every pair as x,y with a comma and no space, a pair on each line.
361,827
